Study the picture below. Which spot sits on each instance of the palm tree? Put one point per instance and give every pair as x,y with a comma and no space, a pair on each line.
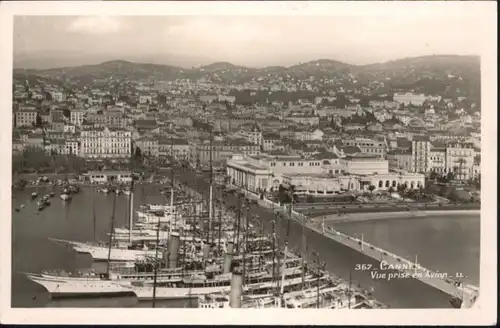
371,188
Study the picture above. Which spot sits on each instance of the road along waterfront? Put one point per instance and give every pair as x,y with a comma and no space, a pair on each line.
341,260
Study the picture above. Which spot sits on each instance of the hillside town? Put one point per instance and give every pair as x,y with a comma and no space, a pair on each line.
323,135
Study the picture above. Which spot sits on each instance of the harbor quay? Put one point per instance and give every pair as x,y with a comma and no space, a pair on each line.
342,260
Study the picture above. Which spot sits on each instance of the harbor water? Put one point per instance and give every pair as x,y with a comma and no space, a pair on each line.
33,252
444,243
74,220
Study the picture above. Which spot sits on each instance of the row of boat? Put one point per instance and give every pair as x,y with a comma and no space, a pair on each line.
116,189
215,256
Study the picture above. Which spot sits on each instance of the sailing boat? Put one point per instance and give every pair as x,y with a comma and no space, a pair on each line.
120,250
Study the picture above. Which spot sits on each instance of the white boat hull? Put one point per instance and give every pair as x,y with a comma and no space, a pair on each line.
60,289
101,253
65,197
145,293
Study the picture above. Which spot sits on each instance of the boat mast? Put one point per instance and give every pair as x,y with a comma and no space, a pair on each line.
261,244
93,211
278,254
274,251
246,244
172,186
284,260
131,210
220,230
304,249
156,261
210,205
349,294
238,223
317,280
112,233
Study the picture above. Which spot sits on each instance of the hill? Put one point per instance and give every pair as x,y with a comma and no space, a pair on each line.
450,75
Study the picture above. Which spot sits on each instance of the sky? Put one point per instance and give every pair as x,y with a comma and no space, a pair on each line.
253,41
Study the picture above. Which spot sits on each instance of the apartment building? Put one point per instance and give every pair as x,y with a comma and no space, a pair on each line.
368,146
76,117
148,146
179,149
106,143
460,159
400,159
26,117
421,148
222,150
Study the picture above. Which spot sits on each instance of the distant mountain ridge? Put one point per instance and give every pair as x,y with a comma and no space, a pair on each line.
417,73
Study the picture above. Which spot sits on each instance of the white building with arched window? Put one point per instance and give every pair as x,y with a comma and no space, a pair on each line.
323,174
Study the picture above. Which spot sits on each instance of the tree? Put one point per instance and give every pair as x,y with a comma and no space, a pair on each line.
137,153
433,176
47,96
38,122
66,113
477,181
390,190
371,188
402,188
461,162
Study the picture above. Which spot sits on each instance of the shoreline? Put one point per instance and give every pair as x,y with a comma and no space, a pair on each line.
379,216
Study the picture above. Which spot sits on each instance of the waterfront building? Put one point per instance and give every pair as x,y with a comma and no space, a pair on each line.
26,117
437,158
106,143
365,165
460,159
400,159
148,146
421,148
323,175
476,168
221,151
179,149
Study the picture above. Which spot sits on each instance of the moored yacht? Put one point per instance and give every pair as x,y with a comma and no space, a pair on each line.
66,195
102,252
